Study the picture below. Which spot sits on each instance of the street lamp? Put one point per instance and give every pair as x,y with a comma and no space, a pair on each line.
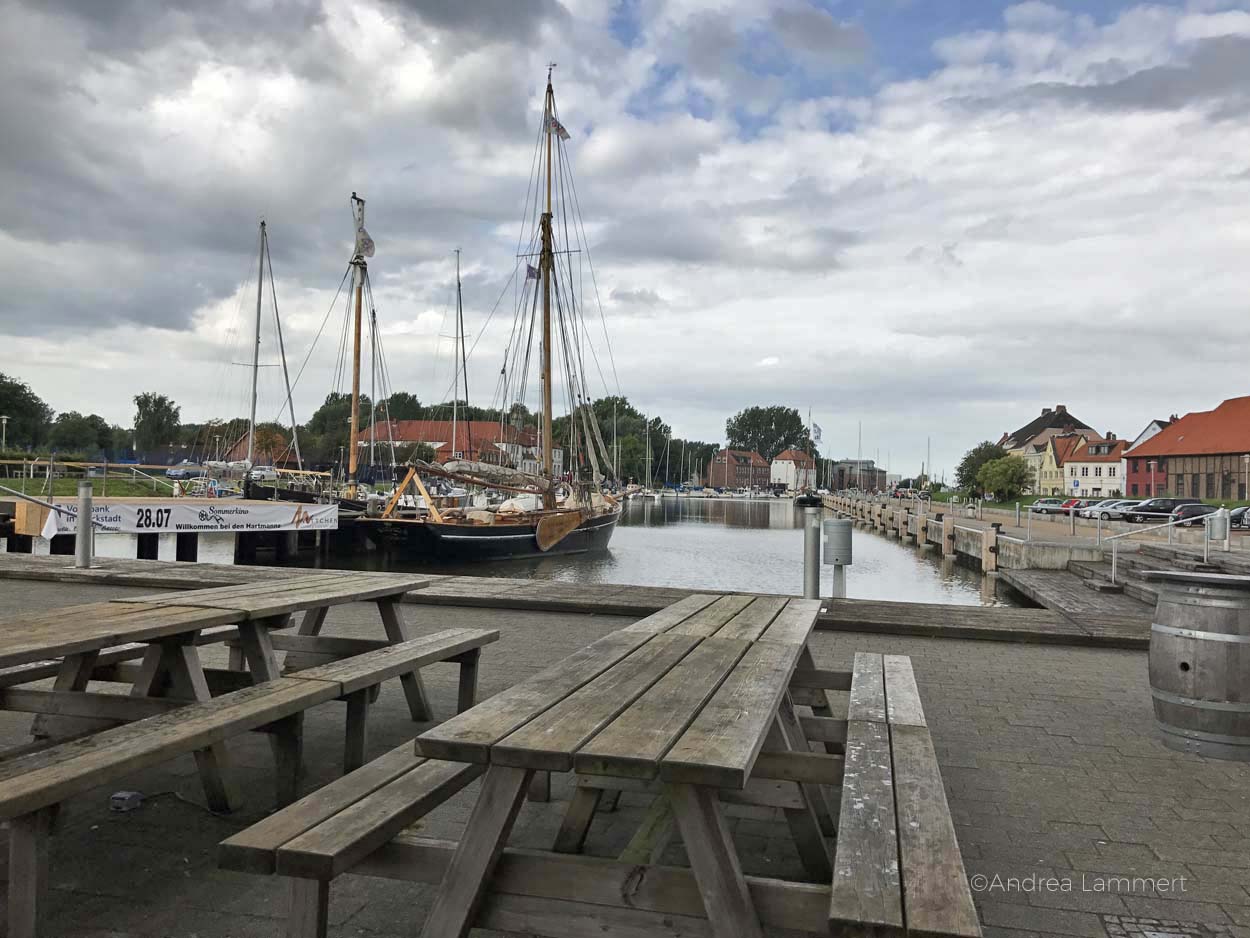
1245,464
1152,464
217,447
4,432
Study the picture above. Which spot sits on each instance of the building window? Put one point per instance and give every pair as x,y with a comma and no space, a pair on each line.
1074,470
1134,488
1085,470
1111,471
1098,471
1194,489
1135,469
1210,485
1180,484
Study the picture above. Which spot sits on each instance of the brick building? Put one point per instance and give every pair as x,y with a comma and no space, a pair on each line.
1205,454
1144,476
862,474
734,468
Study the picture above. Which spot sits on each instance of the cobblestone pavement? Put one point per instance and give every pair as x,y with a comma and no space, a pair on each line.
1072,819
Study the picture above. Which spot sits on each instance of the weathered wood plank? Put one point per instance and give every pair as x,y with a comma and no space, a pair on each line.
819,679
672,615
633,744
335,845
823,729
468,736
902,698
749,624
708,621
720,746
577,818
810,767
49,776
866,894
867,701
28,870
603,883
549,740
255,849
794,624
370,668
86,704
936,894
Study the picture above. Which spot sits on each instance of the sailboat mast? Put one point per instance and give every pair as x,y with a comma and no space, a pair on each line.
373,384
547,268
358,262
260,285
455,363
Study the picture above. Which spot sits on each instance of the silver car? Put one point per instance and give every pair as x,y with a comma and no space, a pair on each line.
1114,510
1091,508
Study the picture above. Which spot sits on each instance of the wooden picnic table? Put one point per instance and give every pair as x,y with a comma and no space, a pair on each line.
93,641
691,698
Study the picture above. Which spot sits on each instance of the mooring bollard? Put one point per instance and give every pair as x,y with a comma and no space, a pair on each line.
1072,520
838,533
811,545
1017,514
84,535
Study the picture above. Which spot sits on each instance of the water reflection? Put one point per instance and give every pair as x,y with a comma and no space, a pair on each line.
755,546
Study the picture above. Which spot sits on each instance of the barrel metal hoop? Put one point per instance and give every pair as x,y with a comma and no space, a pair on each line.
1199,634
1227,600
1228,706
1199,734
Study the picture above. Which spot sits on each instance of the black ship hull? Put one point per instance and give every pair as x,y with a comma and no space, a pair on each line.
461,543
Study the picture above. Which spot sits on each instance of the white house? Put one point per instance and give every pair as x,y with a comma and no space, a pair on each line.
794,469
1094,468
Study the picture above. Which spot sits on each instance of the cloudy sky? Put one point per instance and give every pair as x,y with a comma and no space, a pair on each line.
936,218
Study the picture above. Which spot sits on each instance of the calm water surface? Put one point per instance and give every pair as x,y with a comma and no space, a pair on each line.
754,546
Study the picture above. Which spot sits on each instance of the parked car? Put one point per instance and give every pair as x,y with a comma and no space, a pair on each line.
1190,515
1114,510
263,474
1238,517
1157,509
1047,506
184,470
1090,508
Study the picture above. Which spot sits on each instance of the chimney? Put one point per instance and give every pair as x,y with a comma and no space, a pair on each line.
1045,411
1061,409
1110,436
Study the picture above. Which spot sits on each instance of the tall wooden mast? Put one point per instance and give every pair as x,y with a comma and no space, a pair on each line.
547,269
260,284
358,262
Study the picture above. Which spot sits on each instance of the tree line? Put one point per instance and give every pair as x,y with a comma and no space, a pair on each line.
641,445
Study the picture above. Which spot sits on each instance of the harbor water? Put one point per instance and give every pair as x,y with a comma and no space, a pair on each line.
725,544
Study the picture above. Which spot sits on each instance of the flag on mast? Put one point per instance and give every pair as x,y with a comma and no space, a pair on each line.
364,243
816,432
531,272
558,128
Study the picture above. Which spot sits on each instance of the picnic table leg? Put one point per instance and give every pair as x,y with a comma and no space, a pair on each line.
310,908
475,858
726,899
182,664
577,818
466,693
311,624
397,631
74,673
652,836
797,740
28,870
357,730
805,826
539,787
286,737
821,707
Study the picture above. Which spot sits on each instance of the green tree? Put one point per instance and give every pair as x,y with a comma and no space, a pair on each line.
400,406
29,417
1006,478
966,473
768,430
156,420
72,432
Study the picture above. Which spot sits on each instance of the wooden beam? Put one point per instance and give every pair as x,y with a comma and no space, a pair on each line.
87,704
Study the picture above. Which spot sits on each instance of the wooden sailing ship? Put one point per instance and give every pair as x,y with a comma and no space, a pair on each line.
547,512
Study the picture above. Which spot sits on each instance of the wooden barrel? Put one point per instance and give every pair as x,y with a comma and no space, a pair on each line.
1200,663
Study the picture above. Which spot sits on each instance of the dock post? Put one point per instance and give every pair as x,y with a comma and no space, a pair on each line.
1017,514
811,545
1072,520
989,549
85,534
948,536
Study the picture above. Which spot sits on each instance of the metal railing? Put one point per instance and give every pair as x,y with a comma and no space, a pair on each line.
1170,525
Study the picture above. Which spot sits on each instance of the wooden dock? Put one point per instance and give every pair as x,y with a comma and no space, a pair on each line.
1100,614
1100,625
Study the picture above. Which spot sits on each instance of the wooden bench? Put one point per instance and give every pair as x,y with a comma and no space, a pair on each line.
897,866
330,831
33,784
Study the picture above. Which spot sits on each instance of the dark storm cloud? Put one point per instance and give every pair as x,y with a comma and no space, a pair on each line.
508,21
825,42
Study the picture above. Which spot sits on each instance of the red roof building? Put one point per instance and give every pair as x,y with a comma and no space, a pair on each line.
1205,454
794,469
735,468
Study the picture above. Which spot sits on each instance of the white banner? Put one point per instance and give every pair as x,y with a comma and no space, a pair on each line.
181,517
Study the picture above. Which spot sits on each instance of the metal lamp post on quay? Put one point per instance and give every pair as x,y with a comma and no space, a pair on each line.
1152,465
1245,466
4,432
